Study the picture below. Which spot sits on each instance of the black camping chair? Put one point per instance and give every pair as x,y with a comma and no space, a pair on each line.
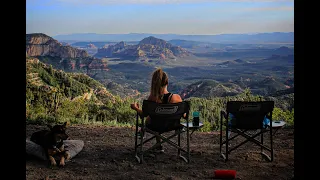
247,117
164,118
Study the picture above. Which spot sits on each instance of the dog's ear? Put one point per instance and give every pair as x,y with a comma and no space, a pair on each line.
66,124
49,126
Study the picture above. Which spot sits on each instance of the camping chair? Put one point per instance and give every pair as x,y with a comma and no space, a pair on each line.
164,118
248,121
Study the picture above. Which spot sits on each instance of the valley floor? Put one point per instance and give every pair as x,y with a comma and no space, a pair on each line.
108,153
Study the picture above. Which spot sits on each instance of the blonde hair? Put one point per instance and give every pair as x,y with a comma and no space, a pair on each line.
158,82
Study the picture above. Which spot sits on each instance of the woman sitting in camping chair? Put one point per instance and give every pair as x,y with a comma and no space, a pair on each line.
160,94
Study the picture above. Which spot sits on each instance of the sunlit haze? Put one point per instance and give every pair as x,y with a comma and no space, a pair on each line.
54,17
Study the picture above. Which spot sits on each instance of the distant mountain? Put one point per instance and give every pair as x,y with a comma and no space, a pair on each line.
188,43
98,44
279,58
275,63
210,88
39,44
269,85
275,37
237,61
240,61
83,44
91,46
284,50
64,57
149,47
282,92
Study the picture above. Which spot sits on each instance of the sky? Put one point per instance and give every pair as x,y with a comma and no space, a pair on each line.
57,17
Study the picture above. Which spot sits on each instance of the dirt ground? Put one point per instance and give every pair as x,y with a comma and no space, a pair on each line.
108,153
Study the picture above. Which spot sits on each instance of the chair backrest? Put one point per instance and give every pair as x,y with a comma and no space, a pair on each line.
249,115
164,117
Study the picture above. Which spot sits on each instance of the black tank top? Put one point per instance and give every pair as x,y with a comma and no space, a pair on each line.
166,98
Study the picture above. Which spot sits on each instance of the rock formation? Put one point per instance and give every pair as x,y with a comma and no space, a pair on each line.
149,47
63,57
39,44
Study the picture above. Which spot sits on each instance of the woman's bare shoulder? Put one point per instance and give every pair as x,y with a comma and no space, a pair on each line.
176,98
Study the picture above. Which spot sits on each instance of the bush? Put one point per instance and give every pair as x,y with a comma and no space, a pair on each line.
287,116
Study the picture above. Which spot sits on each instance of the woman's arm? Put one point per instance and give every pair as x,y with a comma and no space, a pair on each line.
135,106
176,98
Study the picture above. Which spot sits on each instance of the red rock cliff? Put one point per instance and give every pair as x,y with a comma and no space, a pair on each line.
38,44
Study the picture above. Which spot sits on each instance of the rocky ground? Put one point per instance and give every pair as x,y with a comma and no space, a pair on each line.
108,153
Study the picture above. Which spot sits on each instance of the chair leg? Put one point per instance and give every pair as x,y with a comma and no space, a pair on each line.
227,144
136,135
271,143
262,152
179,152
142,131
141,149
221,132
136,140
221,143
227,137
261,138
270,158
188,145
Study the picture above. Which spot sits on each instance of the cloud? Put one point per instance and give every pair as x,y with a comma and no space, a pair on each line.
117,2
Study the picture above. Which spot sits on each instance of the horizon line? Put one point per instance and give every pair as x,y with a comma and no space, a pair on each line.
249,33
